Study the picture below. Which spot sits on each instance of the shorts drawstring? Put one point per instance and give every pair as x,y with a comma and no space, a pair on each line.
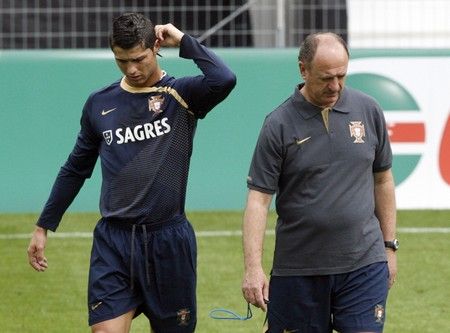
133,235
145,227
147,265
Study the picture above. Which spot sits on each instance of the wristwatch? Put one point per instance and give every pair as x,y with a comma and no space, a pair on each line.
393,244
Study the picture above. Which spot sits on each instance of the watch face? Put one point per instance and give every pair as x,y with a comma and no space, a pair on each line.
396,243
392,244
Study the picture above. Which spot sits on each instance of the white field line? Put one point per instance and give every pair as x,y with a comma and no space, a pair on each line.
217,233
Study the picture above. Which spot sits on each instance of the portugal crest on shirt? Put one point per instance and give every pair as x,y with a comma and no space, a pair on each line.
357,131
155,104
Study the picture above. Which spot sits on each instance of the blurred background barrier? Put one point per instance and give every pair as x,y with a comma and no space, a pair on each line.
30,24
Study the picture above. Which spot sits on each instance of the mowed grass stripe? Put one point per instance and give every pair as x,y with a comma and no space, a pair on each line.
220,233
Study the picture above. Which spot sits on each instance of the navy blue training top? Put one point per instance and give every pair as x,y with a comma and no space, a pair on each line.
144,139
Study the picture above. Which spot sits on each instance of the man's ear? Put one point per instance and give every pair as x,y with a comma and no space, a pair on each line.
302,69
156,46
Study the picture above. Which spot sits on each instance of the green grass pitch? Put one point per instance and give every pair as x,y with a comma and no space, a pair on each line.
55,301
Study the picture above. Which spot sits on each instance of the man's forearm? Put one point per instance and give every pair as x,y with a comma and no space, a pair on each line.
385,206
254,227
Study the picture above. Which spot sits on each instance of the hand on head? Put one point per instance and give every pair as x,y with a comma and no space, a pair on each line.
168,35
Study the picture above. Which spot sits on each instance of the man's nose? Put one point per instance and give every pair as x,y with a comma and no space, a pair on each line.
334,84
130,69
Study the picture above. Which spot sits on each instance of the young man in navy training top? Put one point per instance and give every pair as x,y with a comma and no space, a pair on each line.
325,152
144,252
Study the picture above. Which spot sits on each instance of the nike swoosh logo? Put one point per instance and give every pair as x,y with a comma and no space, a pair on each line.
95,306
105,112
299,142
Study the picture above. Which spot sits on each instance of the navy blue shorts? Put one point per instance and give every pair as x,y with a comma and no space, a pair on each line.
156,277
348,303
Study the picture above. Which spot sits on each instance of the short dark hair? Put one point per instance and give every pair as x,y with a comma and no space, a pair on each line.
309,45
130,30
